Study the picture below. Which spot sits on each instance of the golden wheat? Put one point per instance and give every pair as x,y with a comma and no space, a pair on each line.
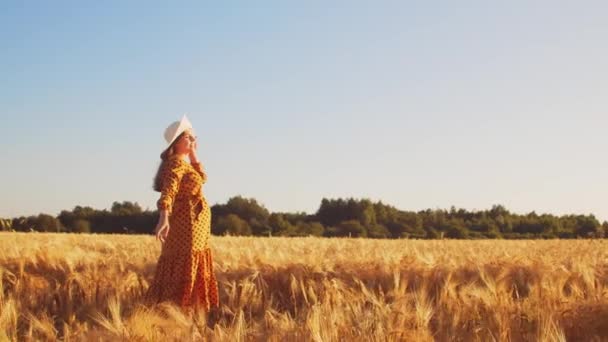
90,287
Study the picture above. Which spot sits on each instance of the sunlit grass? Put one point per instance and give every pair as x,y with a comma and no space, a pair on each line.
90,287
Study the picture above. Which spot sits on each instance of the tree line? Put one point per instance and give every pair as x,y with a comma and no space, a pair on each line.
335,218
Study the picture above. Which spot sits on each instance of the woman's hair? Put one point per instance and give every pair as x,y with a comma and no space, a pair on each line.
164,156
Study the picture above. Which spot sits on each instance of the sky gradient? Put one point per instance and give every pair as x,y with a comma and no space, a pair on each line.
426,104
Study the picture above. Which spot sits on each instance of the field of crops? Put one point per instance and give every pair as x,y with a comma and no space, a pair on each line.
90,287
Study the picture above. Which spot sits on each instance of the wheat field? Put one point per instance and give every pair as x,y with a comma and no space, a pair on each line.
89,288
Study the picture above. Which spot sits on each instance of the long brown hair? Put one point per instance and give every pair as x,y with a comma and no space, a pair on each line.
164,156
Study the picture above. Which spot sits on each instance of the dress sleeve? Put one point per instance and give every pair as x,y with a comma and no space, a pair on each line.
199,168
170,178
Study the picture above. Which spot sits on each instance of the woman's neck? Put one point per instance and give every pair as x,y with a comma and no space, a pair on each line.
182,156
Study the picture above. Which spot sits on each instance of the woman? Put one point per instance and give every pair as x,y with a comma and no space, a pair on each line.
184,273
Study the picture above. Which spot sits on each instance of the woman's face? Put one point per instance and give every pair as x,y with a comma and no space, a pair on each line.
185,143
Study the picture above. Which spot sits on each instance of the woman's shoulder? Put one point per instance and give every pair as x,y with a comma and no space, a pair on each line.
176,157
175,161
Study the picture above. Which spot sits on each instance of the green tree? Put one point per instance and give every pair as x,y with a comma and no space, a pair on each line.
498,211
378,231
233,225
46,223
588,226
309,228
410,225
455,229
432,233
81,226
259,228
280,226
247,209
332,212
84,212
125,208
366,213
67,219
352,228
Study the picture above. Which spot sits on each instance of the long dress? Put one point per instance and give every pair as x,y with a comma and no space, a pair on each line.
184,273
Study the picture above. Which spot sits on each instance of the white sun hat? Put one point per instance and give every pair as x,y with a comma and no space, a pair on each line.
177,128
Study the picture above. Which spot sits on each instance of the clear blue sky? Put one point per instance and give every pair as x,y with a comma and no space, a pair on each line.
422,104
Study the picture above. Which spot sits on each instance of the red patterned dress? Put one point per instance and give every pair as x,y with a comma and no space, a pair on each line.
184,273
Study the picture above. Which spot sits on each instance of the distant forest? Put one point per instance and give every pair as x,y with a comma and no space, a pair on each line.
334,218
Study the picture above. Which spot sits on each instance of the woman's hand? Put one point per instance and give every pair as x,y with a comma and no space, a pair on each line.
162,228
192,153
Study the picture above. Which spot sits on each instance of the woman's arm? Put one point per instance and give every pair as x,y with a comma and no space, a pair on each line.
162,227
170,178
196,163
199,168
